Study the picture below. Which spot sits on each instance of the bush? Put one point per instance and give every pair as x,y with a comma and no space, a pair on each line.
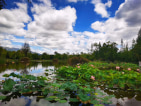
75,60
25,60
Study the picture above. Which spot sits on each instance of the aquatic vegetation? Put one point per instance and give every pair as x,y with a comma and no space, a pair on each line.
2,97
82,82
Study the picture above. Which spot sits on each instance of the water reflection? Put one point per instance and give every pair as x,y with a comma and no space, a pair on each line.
34,68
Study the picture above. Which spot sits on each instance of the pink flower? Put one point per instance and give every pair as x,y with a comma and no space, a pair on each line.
78,66
138,70
122,72
117,67
92,65
92,77
129,69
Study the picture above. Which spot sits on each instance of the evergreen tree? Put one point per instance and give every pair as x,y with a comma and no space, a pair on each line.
122,45
2,4
133,43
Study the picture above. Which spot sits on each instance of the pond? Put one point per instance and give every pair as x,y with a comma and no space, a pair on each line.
129,97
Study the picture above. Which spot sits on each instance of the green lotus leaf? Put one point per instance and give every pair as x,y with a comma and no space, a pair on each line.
62,101
52,96
49,99
6,75
2,97
8,85
73,100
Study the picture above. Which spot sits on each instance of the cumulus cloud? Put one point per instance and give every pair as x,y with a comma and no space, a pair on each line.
123,25
12,21
100,8
130,12
50,28
109,3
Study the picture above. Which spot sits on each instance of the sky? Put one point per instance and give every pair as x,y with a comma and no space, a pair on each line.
68,26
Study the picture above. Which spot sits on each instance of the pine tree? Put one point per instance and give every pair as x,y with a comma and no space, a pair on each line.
25,48
122,45
133,43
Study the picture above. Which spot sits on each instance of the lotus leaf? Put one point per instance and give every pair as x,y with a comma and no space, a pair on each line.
62,101
2,97
8,85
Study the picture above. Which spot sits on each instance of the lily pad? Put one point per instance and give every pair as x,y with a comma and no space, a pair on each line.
62,101
73,100
2,97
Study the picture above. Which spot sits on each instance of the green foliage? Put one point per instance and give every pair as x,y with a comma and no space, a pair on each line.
98,105
62,101
69,86
2,97
94,102
73,100
6,75
8,85
83,97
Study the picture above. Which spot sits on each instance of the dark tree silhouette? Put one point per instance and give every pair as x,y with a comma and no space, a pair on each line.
2,4
25,48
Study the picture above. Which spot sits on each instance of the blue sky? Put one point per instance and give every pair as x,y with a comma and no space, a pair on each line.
68,25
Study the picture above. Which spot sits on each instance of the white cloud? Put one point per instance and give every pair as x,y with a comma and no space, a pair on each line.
6,43
100,8
12,21
50,27
109,3
123,25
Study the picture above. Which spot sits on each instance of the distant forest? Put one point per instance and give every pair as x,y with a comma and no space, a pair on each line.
104,52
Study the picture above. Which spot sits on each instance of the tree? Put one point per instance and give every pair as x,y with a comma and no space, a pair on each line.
25,49
107,51
122,45
137,48
133,43
2,4
44,56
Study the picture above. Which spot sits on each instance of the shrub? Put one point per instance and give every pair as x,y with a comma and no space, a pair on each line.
75,60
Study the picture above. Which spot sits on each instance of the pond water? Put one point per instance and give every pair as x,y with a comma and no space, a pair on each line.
129,98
